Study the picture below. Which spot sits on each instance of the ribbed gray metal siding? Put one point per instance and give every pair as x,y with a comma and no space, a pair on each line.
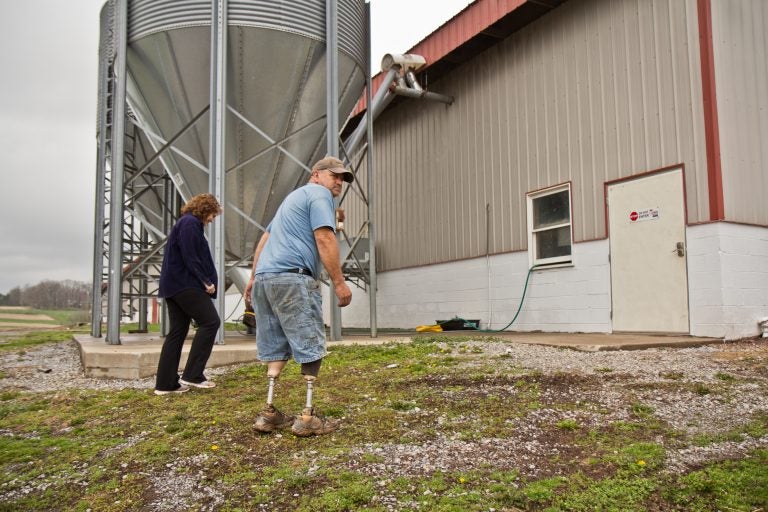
305,17
149,16
741,73
594,91
352,29
106,50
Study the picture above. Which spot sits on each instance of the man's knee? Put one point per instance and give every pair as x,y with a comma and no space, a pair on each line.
275,367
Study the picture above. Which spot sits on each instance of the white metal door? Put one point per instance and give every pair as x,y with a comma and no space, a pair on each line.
649,282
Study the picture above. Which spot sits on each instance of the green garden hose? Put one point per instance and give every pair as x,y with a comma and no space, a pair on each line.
525,289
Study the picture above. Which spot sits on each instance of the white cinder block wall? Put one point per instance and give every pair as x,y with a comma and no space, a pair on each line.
727,283
727,279
568,299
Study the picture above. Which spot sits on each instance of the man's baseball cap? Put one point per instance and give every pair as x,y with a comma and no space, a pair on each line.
336,166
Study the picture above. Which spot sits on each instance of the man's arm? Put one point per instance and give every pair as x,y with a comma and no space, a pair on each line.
256,254
328,248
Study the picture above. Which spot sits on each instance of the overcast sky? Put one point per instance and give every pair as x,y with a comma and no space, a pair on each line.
49,61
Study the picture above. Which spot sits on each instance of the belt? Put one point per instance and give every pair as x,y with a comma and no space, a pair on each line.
301,271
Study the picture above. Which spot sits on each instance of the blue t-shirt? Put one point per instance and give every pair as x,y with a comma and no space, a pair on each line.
291,242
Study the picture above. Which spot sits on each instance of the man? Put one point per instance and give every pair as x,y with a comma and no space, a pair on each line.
285,292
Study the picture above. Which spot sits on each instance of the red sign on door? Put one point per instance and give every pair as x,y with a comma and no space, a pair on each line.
633,216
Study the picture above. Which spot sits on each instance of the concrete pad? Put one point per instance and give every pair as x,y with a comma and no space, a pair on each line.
595,342
137,355
590,342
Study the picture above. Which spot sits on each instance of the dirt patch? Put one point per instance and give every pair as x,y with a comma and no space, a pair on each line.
19,328
746,350
749,356
11,316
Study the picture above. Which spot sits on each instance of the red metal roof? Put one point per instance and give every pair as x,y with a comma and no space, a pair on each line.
466,25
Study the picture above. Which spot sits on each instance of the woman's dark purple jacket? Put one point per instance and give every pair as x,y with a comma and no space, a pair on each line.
187,262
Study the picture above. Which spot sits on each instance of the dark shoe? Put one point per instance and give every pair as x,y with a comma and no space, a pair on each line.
180,389
271,419
206,384
311,423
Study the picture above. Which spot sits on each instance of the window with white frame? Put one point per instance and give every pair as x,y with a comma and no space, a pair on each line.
549,226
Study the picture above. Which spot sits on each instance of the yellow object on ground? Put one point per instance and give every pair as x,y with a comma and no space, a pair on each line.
429,328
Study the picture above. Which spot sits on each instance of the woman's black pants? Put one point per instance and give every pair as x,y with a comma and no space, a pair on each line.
185,306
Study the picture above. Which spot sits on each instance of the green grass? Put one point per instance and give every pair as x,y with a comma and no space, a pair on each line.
63,317
729,485
619,493
78,318
756,427
568,424
34,338
102,450
68,317
70,320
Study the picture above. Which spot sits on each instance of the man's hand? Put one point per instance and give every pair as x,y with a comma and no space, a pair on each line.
343,293
247,292
210,289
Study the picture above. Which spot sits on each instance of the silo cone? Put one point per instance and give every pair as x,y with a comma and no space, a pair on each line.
276,80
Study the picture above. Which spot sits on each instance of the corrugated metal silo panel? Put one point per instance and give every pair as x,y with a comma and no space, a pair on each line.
352,29
306,17
302,16
106,53
146,17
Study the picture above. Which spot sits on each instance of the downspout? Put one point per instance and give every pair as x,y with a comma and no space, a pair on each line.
421,94
380,101
407,85
400,80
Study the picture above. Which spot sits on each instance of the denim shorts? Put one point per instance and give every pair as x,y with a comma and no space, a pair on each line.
289,317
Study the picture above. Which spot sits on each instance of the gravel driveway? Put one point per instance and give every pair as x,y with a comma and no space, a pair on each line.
607,381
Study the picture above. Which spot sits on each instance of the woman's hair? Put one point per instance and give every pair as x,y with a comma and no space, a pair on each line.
201,206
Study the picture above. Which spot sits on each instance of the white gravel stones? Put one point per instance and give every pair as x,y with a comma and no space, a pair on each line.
56,366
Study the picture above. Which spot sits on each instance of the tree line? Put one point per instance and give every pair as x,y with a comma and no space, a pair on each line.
50,295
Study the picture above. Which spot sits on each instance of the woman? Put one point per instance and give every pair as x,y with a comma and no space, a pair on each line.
188,283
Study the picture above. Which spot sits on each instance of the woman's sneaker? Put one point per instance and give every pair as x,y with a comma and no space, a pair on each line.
312,423
271,419
206,384
180,389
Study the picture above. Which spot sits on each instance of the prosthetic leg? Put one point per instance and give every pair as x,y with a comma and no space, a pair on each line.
271,418
310,372
310,423
273,372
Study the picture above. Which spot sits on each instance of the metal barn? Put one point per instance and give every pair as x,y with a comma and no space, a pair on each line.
604,160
